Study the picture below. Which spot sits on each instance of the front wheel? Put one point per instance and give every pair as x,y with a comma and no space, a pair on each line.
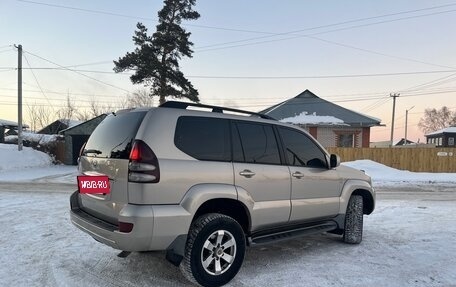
214,251
353,232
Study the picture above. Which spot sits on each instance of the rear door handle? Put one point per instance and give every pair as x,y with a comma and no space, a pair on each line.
247,173
297,174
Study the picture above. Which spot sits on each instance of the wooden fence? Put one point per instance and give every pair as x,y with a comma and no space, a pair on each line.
412,159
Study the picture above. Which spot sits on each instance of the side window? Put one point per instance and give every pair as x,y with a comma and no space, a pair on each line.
238,153
204,138
301,150
258,143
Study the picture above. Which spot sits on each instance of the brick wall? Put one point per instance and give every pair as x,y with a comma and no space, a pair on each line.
329,136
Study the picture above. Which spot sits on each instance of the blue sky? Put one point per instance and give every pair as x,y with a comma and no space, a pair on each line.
271,71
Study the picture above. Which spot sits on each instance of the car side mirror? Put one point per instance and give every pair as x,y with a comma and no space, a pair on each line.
334,161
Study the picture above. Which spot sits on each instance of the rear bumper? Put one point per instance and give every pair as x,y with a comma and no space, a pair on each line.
155,227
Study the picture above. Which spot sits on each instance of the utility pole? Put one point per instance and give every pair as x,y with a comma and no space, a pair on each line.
406,123
394,96
19,97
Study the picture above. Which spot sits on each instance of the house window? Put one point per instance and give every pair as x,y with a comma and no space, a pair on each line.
346,140
439,143
451,141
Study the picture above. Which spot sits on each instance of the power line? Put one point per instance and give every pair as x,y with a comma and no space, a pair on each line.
134,17
7,50
325,32
36,80
375,105
378,53
257,103
233,29
352,96
271,34
252,77
57,106
323,76
432,83
429,93
90,64
65,93
77,72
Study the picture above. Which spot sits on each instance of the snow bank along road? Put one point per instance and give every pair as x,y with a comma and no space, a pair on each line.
408,241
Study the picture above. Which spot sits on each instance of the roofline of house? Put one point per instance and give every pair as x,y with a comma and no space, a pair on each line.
272,108
70,128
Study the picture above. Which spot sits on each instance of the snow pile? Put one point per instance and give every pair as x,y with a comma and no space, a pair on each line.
7,123
305,118
445,130
12,159
30,165
385,175
35,138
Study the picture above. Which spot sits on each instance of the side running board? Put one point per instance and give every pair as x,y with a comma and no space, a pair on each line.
291,233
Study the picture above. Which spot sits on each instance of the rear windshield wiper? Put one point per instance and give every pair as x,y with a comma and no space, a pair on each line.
95,151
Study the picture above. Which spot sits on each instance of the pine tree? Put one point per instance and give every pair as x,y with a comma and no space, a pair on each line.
155,60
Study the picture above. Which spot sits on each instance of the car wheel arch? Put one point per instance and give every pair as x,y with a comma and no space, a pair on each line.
226,206
357,187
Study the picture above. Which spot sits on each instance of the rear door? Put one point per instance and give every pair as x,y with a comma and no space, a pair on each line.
315,188
258,170
107,154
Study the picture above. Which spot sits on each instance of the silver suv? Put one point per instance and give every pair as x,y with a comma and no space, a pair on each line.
203,185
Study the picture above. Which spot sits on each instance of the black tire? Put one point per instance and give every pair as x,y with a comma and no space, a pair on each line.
204,262
353,232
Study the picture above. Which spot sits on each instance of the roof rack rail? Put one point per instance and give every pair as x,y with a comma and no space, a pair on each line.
215,109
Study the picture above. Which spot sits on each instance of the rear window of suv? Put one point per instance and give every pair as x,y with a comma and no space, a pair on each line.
113,137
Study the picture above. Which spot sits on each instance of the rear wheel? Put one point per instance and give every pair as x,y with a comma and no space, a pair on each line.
214,251
353,232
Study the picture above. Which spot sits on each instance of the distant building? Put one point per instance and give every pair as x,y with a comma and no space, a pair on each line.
57,126
76,136
330,124
442,138
8,128
395,143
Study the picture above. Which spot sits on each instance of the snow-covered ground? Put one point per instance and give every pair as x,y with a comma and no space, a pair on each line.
384,175
408,240
32,165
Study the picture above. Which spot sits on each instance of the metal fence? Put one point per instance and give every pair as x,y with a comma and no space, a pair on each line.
412,159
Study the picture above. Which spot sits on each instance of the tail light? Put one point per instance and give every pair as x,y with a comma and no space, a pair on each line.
143,165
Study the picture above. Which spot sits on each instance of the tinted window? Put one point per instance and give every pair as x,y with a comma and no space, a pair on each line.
258,143
203,138
238,153
113,137
301,150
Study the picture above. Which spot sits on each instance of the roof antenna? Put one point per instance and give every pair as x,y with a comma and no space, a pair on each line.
114,114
